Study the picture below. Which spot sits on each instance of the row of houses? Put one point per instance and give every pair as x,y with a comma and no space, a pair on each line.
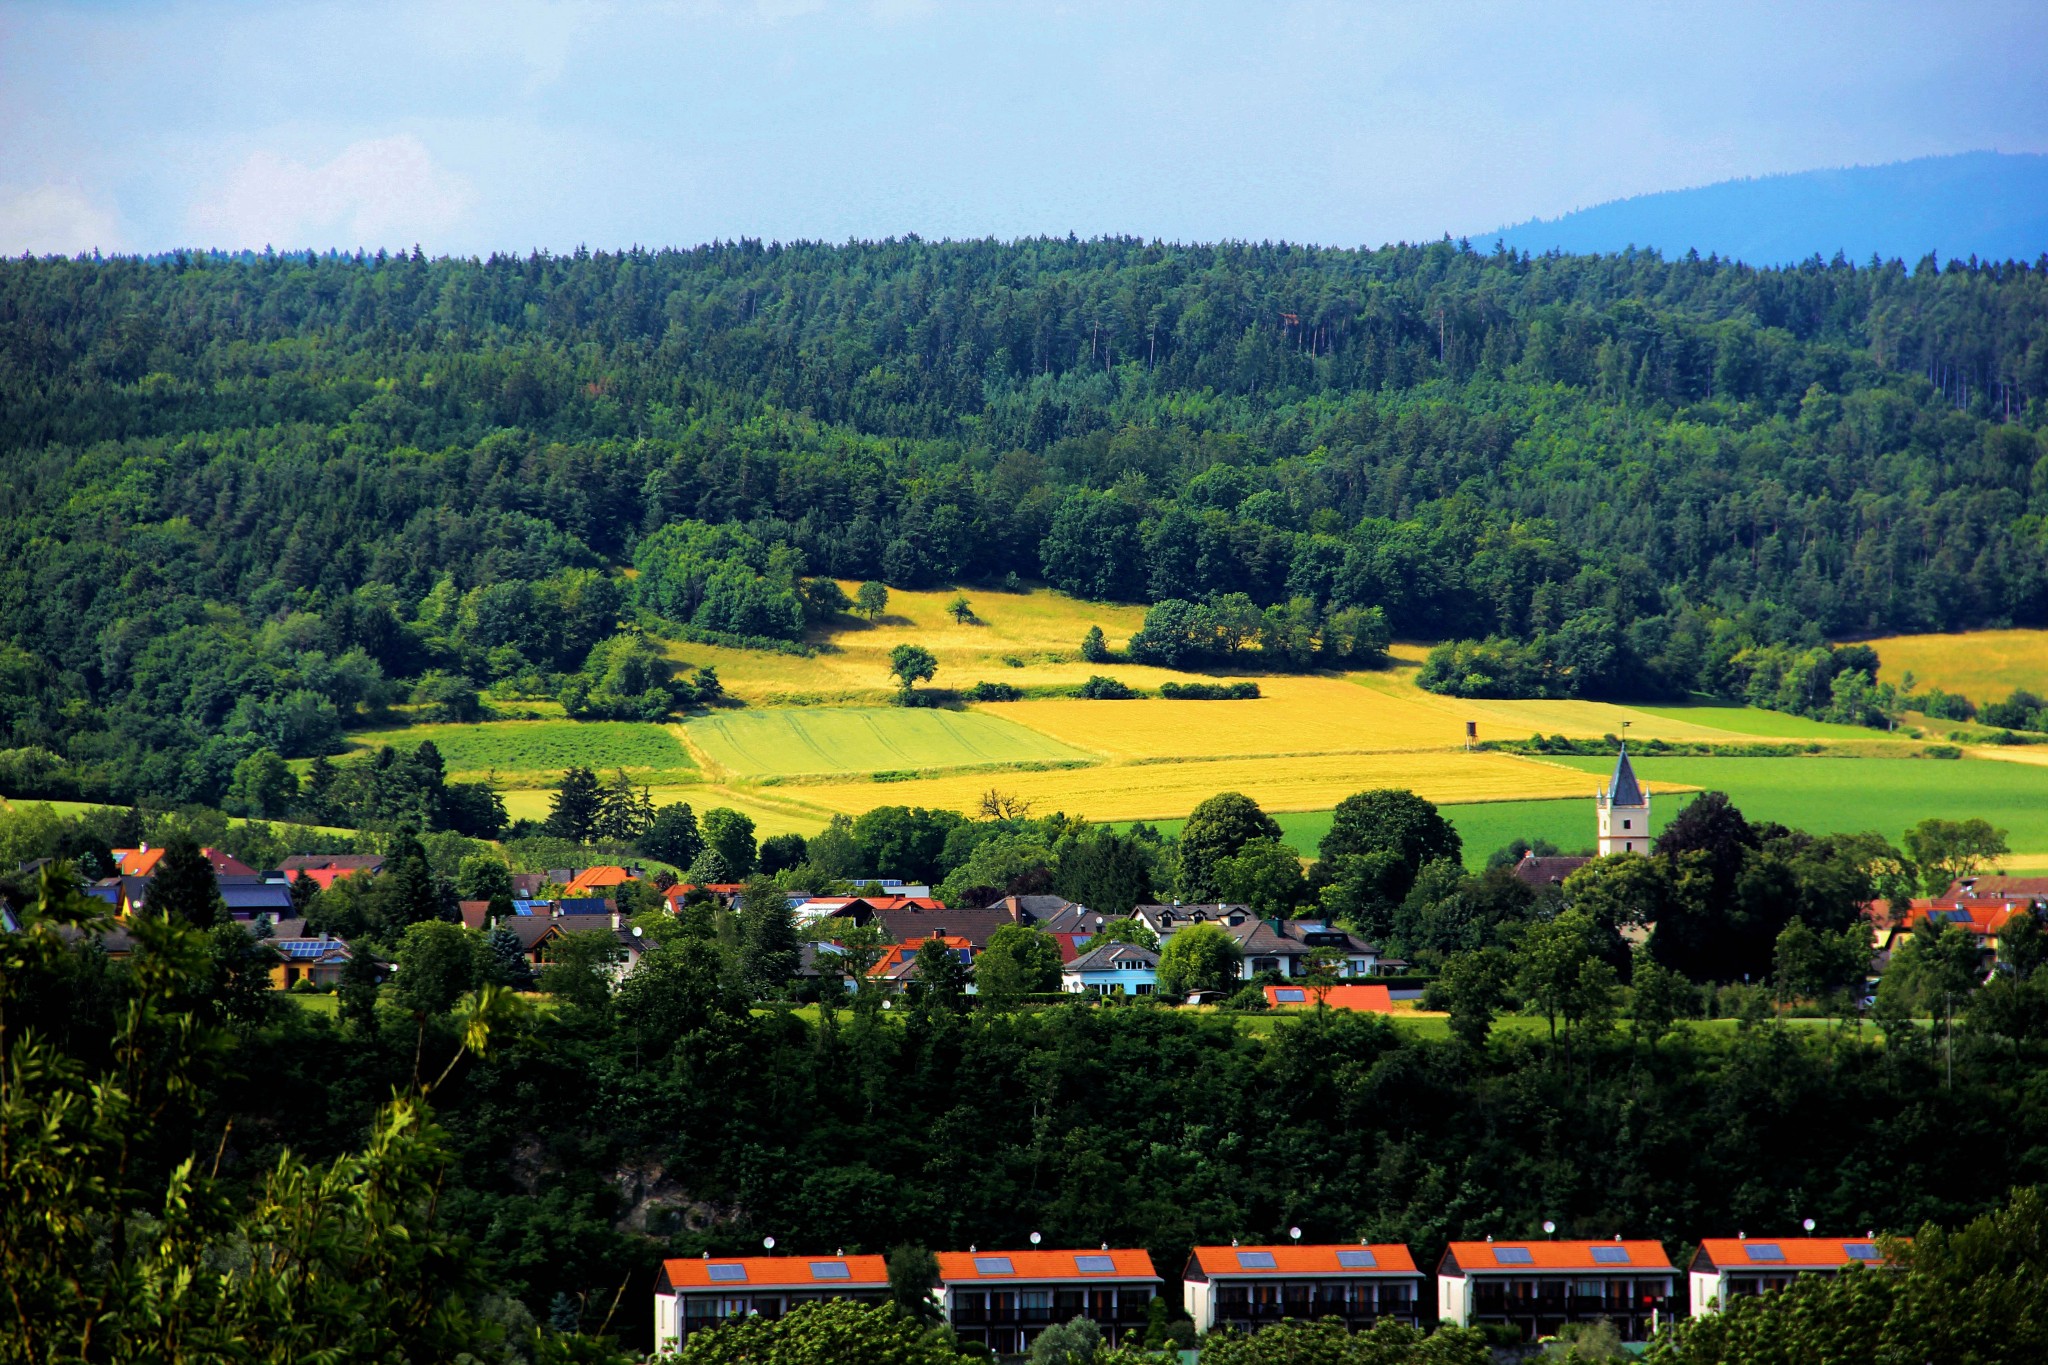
1004,1299
584,900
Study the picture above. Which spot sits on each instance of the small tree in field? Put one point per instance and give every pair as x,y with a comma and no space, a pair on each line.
871,600
960,609
911,664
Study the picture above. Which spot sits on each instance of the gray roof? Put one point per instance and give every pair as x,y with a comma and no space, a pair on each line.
1108,955
1542,872
260,896
1622,788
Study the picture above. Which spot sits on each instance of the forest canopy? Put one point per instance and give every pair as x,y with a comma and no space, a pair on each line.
254,498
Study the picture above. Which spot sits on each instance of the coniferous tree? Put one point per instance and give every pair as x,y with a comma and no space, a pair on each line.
185,888
576,807
769,955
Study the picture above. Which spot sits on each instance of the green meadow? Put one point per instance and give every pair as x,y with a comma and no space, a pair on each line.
533,753
1824,795
1848,795
866,739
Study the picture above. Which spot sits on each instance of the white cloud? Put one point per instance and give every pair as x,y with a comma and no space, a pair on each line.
55,220
375,192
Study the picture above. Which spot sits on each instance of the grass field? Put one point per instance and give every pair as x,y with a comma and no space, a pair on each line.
1483,826
1748,721
524,753
1888,795
1983,665
793,741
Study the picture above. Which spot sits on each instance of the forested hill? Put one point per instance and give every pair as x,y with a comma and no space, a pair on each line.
225,476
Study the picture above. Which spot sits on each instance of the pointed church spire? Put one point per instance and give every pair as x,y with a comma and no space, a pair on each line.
1622,788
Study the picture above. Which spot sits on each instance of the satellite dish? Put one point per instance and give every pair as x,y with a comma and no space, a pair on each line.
1549,1227
1034,1239
768,1242
1295,1233
1808,1225
638,931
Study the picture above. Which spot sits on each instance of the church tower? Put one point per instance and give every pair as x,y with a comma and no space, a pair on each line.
1624,811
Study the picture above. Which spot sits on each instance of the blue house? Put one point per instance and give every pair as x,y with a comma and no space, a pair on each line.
1112,969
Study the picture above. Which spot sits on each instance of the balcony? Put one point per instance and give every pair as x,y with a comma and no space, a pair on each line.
1010,1315
1353,1314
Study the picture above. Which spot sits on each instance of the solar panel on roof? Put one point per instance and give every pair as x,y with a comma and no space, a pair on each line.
1610,1255
1764,1251
1095,1265
1512,1256
726,1272
993,1265
1290,997
830,1270
1357,1260
1256,1260
1860,1251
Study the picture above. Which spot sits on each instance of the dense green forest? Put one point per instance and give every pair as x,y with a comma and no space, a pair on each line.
251,497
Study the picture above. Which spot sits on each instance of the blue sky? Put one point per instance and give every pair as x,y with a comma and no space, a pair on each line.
470,127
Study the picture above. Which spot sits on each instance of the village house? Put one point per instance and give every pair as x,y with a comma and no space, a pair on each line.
1004,1299
1249,1287
1538,1287
1280,946
1112,969
1728,1267
690,1295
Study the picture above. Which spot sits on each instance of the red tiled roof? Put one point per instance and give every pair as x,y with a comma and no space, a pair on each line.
594,878
1794,1253
142,862
1389,1258
901,955
1125,1264
1484,1257
1365,999
778,1272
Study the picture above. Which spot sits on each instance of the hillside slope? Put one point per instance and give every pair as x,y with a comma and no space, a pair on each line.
1988,204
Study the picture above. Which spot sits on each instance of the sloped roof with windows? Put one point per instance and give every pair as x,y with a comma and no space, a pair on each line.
775,1272
1011,1267
1785,1253
1511,1258
1346,1258
1111,957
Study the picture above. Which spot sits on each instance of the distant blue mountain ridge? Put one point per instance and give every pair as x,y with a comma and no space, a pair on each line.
1993,205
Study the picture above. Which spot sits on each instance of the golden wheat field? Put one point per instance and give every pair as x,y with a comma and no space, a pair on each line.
1155,791
1293,716
1983,665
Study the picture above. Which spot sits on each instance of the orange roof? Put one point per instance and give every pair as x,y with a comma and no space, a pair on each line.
591,878
902,954
1523,1257
142,862
1792,1253
1346,1258
1369,999
1984,917
138,862
777,1272
1119,1263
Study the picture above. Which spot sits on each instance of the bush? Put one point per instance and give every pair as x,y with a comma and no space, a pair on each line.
993,691
1237,691
1100,688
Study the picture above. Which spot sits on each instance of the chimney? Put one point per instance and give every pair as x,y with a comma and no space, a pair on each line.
616,920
